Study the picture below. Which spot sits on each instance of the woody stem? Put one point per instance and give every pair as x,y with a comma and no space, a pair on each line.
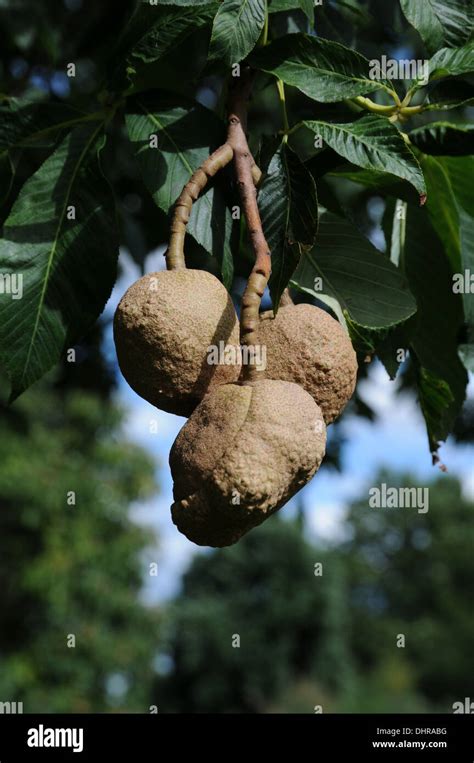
258,279
182,208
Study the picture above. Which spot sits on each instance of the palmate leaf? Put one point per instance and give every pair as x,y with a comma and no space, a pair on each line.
236,29
441,23
369,288
373,143
323,70
289,210
186,133
59,239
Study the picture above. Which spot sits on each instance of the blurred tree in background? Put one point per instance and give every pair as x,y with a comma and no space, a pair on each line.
413,574
69,555
330,639
263,590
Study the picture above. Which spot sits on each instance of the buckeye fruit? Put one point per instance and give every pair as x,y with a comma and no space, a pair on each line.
163,327
305,345
243,453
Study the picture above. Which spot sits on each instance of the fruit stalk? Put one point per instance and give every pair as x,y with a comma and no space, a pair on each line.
182,208
243,162
191,191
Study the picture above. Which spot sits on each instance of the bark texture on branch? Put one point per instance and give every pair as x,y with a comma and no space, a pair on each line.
244,163
248,175
199,180
182,208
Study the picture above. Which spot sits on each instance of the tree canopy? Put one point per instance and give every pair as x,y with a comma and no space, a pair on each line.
352,103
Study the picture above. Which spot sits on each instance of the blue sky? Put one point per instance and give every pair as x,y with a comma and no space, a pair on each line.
396,441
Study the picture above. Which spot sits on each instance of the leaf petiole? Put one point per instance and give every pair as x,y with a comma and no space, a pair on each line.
376,108
282,97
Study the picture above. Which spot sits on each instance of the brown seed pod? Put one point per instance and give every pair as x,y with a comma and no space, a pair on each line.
240,457
163,328
307,346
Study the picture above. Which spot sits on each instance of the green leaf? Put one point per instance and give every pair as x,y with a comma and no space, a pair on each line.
323,70
180,2
382,182
448,62
398,237
390,345
23,124
452,62
153,31
440,319
444,139
451,211
236,29
466,353
289,209
307,6
66,266
388,349
187,133
369,288
449,94
441,23
436,401
7,174
373,143
451,207
345,20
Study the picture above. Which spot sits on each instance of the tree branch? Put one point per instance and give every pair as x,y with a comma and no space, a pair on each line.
182,208
243,162
191,191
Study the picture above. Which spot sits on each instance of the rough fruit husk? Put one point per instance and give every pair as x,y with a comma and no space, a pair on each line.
305,345
243,453
163,327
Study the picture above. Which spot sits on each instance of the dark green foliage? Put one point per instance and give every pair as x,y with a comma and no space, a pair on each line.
70,558
153,67
330,639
